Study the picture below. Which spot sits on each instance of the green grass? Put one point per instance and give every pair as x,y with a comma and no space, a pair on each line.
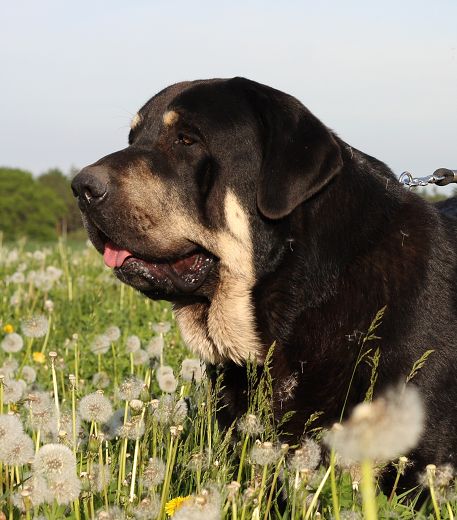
227,474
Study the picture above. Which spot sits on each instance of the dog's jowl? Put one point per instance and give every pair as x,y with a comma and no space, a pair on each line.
263,227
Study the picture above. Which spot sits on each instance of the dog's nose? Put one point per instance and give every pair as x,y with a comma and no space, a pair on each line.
91,184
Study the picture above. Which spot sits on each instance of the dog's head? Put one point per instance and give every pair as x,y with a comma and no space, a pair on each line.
212,169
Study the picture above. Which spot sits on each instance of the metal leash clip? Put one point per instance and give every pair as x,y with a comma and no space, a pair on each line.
440,177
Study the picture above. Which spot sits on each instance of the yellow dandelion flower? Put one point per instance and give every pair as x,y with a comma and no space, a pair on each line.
8,328
39,357
175,504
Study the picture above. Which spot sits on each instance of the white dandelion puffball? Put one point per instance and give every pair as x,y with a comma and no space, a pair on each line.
130,388
167,383
113,332
16,451
140,357
100,344
164,371
191,369
162,327
383,430
54,460
132,344
10,426
65,489
155,347
35,327
12,343
95,407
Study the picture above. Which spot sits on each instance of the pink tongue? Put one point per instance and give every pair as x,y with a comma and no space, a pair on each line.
113,256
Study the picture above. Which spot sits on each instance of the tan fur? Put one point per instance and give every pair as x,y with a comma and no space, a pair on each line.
136,120
226,328
170,117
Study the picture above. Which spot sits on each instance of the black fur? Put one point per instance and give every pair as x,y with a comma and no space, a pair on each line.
336,238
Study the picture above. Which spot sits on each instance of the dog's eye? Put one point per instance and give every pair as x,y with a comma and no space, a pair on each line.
184,139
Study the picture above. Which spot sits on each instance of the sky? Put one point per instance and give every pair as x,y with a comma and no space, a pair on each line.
382,75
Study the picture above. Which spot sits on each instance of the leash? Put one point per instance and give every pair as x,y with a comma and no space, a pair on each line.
440,177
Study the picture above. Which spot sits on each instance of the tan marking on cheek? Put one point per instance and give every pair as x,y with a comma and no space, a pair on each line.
226,328
170,117
136,120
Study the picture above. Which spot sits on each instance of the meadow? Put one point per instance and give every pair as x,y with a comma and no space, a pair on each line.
106,415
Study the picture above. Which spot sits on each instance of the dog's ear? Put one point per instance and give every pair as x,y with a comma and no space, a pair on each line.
300,155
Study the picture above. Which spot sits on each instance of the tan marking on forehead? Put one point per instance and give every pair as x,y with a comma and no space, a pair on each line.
136,120
170,117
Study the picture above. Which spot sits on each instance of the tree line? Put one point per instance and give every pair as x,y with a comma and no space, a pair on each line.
43,208
40,208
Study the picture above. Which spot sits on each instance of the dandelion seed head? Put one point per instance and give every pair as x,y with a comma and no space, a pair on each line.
382,430
38,401
64,489
164,370
132,344
54,460
264,453
17,450
95,407
163,409
113,513
12,391
206,505
162,327
130,388
37,492
111,427
10,426
101,380
140,357
113,333
153,473
168,383
9,367
250,425
155,347
100,344
99,477
191,369
12,343
148,508
133,429
29,374
35,327
199,461
307,457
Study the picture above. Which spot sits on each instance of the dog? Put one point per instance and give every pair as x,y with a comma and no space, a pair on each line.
262,226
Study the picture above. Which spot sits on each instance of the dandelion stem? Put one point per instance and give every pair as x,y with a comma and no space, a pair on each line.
317,494
55,389
431,482
449,508
368,491
242,457
272,488
336,506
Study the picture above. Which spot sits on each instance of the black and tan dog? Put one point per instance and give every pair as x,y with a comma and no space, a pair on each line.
260,225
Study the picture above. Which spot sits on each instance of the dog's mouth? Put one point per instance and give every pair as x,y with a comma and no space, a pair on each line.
186,272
